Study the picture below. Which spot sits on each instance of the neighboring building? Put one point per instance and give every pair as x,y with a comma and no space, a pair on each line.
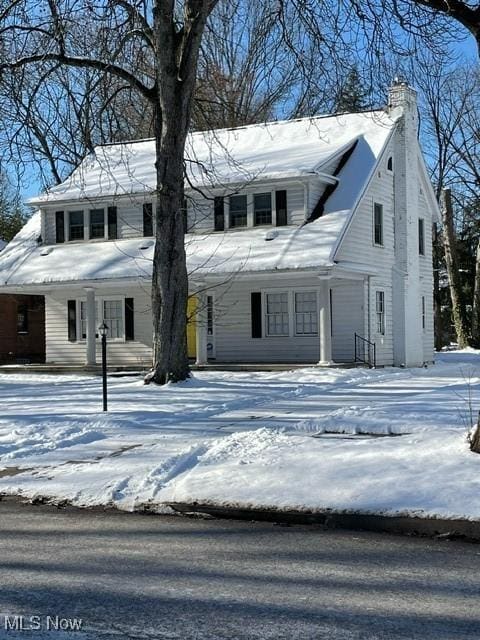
22,327
301,234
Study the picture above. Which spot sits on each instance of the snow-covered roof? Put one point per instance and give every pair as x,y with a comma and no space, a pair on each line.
25,262
285,149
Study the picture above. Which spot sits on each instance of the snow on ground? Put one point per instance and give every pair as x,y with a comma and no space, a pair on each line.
302,439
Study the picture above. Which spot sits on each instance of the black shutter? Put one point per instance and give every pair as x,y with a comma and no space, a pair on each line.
219,215
129,322
112,223
72,320
256,309
147,219
281,207
59,227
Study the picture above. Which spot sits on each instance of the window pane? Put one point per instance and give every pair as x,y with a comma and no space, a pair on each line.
277,314
97,223
238,211
113,318
380,311
262,206
421,237
75,225
378,223
306,322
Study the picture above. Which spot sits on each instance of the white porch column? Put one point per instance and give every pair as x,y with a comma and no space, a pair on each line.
91,328
201,329
325,334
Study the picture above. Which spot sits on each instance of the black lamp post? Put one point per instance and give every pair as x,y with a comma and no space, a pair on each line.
103,328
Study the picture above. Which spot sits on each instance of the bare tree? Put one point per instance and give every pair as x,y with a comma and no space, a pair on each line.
169,36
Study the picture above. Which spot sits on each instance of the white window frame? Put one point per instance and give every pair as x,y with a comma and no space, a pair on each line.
250,195
85,226
99,300
380,314
263,193
290,310
294,302
382,226
266,314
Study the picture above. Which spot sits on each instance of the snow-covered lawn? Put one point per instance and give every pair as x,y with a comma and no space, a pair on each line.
250,439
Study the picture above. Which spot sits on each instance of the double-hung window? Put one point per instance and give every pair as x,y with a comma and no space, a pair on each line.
97,223
277,323
111,315
262,208
75,225
238,211
380,311
306,320
378,224
113,318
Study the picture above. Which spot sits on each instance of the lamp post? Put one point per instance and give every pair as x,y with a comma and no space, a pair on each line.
103,328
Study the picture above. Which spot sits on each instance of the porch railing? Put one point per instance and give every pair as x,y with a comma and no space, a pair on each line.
365,351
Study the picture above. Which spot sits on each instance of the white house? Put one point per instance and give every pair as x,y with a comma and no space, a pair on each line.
301,236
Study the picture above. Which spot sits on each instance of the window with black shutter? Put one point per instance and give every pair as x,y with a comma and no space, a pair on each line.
112,223
147,219
219,214
281,207
59,226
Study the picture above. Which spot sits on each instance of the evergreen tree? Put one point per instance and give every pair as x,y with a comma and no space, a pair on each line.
12,212
352,95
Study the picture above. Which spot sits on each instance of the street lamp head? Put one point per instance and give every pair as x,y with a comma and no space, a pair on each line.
103,328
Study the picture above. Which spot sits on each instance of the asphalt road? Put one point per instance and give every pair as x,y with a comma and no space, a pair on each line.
134,576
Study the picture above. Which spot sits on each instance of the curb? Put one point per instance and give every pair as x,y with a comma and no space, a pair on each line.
403,525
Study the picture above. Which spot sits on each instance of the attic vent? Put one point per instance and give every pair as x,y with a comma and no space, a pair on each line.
271,235
146,245
47,251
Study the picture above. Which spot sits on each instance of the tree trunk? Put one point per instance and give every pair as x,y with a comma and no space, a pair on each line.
474,437
437,299
458,308
476,302
177,56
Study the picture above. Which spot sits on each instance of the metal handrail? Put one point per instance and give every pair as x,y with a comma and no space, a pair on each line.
365,351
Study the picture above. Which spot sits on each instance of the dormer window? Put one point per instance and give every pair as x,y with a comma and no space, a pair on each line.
238,211
75,225
97,223
262,208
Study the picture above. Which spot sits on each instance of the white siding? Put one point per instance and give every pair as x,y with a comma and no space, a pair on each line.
358,246
426,281
60,350
347,318
233,331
